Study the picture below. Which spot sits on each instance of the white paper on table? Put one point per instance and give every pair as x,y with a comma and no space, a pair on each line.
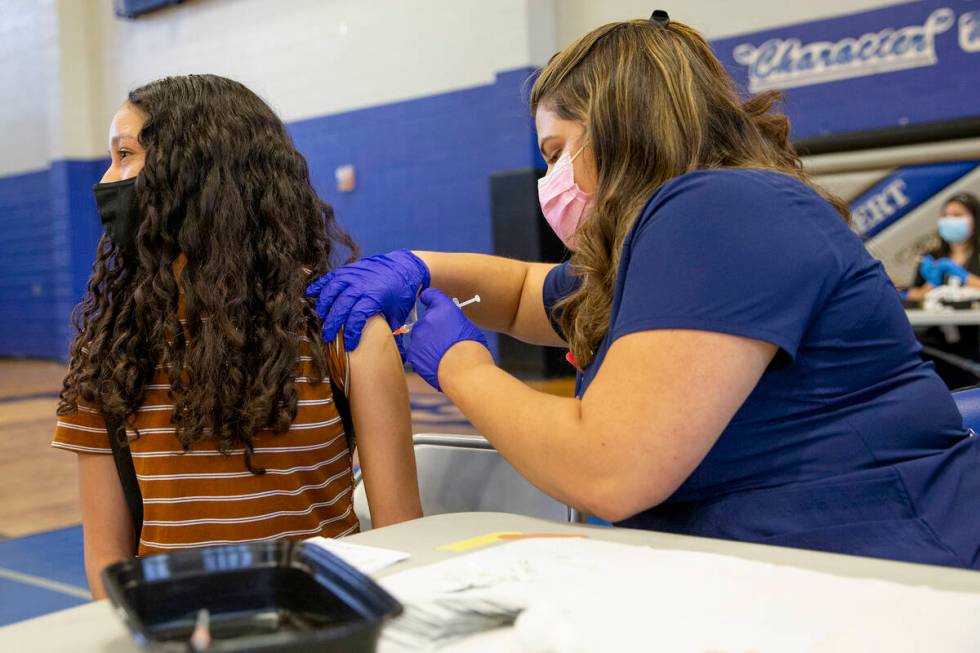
367,559
578,595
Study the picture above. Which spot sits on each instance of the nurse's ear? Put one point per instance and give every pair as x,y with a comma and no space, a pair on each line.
586,172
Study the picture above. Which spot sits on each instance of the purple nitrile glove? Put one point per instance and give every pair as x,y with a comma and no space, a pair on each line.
440,327
387,284
949,268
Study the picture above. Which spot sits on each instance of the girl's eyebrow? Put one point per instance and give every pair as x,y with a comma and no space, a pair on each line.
121,137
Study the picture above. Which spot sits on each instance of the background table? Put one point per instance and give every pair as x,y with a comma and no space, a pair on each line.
93,627
920,318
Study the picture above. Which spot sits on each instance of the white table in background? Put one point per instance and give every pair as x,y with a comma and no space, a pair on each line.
921,318
93,627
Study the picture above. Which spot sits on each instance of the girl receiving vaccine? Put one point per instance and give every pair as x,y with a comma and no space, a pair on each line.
196,350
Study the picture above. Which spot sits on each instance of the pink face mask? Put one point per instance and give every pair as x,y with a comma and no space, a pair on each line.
563,203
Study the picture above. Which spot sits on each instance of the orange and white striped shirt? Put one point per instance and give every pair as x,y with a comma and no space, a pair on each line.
203,497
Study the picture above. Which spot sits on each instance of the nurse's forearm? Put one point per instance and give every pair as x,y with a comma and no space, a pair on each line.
509,290
543,436
497,280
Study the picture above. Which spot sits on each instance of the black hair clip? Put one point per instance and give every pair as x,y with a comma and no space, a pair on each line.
660,17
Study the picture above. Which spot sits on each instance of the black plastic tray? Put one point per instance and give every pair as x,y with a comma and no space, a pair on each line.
262,596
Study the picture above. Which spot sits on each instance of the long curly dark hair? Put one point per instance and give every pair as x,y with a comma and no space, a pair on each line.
223,185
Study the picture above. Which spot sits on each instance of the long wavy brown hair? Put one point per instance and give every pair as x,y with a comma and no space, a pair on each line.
224,186
655,103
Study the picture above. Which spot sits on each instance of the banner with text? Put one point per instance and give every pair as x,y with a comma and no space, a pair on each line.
907,64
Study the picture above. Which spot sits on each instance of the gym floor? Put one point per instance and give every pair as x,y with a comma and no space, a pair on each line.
41,565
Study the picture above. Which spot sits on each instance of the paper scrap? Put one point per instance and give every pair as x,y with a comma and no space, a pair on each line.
509,537
478,541
502,536
367,559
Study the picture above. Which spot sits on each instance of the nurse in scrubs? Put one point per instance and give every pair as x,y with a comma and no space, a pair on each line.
746,370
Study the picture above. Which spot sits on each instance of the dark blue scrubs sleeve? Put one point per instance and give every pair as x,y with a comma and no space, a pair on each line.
559,283
718,252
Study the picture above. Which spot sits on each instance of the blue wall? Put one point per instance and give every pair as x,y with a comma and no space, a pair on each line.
423,166
423,181
28,318
50,228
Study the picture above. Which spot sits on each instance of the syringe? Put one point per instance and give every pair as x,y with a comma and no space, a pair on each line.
474,298
407,327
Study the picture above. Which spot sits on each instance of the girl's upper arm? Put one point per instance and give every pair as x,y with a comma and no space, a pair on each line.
106,523
382,416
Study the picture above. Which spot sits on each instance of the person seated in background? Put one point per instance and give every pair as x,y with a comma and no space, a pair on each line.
194,334
956,260
958,255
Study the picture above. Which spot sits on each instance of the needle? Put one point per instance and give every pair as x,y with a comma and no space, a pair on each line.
475,298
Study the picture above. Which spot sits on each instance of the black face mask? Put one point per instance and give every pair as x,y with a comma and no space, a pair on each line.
119,212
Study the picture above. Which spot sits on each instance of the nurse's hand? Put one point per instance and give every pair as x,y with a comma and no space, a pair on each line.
931,271
350,295
440,327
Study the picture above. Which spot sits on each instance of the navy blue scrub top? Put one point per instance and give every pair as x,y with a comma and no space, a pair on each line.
850,442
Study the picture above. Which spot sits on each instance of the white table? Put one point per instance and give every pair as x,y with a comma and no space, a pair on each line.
93,627
921,318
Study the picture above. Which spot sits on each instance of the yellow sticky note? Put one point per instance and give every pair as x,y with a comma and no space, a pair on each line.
474,542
